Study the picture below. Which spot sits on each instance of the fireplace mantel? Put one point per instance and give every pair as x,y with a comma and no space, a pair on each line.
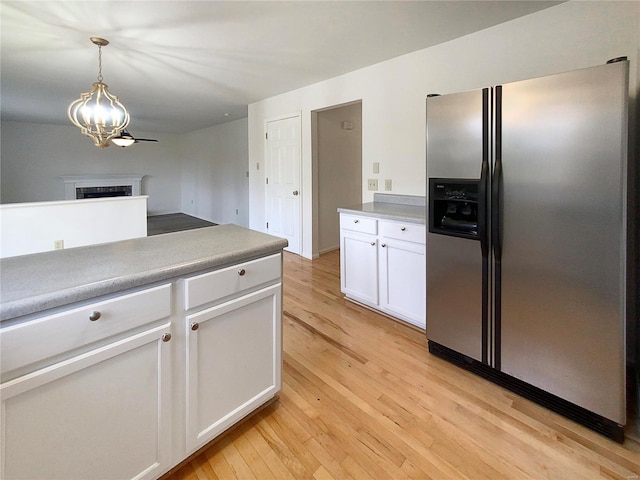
71,182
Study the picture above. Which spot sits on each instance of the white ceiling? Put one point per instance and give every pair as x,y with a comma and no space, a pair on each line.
180,66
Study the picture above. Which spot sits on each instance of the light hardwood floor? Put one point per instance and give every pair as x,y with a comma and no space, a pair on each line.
362,398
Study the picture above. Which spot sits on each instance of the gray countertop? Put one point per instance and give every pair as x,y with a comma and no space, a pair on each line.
37,282
404,208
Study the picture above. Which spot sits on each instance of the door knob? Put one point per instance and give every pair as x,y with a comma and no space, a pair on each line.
295,192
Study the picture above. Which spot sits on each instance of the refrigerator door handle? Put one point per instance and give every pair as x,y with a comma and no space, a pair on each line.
496,240
496,183
483,231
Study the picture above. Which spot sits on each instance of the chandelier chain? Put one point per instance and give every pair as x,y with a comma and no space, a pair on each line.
100,63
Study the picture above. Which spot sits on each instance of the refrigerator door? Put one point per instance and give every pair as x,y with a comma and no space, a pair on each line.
562,223
457,133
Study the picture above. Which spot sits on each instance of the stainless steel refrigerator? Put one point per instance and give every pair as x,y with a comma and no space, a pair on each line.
526,247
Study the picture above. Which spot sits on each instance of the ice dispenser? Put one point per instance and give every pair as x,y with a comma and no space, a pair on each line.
453,207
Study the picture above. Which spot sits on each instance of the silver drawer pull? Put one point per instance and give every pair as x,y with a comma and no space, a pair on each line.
383,245
95,316
373,244
166,337
356,221
195,326
241,272
403,228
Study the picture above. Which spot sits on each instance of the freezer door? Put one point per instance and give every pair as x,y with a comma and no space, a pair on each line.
457,135
563,235
454,294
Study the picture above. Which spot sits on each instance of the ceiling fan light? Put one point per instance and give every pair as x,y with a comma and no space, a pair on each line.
123,141
98,113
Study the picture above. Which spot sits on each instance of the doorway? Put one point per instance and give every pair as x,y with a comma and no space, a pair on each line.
337,155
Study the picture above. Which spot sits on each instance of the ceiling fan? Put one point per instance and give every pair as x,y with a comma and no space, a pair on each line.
125,139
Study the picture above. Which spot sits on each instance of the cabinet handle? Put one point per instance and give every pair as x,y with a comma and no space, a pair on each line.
95,316
403,228
383,245
373,244
195,326
356,221
241,272
295,192
166,337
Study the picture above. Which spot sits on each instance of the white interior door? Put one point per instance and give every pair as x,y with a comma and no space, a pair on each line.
283,195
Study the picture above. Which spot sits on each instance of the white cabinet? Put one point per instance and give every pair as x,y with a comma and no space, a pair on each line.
130,385
101,410
383,265
233,347
233,362
359,265
403,270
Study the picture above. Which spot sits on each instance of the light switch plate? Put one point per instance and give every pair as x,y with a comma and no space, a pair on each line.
387,184
373,183
376,167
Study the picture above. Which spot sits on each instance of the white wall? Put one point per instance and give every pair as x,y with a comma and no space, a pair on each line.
36,226
569,36
35,155
214,173
207,167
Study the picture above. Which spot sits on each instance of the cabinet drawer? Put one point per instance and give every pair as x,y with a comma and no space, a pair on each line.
411,232
227,281
53,335
359,224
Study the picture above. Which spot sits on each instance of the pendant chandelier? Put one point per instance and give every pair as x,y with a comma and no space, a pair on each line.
98,113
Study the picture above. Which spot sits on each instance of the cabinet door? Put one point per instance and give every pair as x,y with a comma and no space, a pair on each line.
359,266
233,362
402,280
103,415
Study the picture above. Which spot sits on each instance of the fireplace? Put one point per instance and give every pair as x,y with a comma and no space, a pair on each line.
99,192
99,186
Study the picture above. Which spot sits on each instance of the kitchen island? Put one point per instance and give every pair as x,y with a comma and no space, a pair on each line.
120,360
